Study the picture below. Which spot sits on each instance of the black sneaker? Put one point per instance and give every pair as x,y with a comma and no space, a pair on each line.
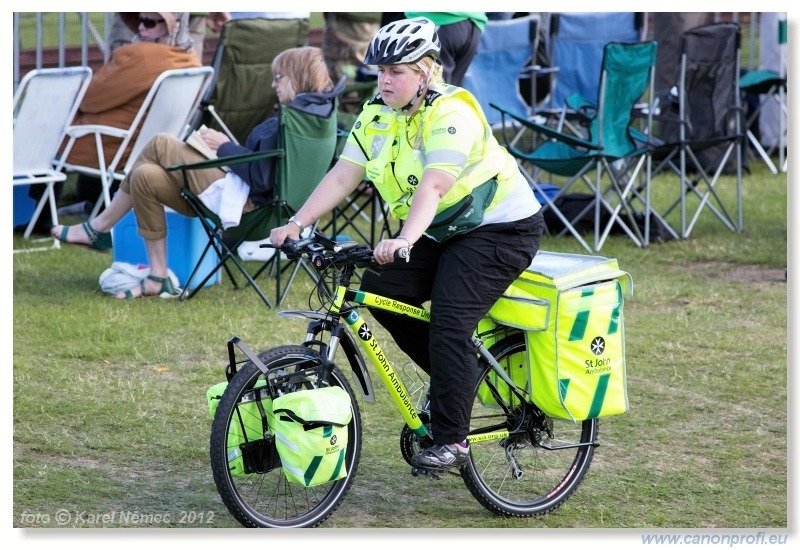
441,457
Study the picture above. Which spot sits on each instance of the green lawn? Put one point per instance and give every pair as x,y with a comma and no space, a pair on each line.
110,413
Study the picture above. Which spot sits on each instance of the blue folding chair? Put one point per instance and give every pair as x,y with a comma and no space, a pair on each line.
504,55
576,43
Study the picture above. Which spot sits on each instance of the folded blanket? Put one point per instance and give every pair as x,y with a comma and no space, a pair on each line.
226,198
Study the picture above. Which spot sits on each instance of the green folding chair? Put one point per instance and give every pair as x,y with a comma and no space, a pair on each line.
770,86
242,94
610,150
306,145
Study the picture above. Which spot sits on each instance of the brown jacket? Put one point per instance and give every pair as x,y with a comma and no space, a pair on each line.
117,91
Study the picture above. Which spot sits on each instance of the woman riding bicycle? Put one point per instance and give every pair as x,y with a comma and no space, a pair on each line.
469,216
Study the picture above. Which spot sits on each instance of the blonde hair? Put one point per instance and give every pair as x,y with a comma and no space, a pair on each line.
430,67
305,68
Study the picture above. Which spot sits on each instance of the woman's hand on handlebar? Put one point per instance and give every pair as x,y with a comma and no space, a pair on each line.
279,235
387,251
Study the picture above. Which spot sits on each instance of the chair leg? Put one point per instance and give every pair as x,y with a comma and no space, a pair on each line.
224,253
280,297
761,152
48,197
550,204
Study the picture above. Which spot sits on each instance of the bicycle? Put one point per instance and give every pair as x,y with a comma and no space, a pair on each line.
522,464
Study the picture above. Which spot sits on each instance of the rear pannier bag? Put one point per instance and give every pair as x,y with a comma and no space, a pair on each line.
311,434
569,307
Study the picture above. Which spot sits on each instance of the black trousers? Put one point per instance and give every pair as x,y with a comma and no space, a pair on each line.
462,278
459,45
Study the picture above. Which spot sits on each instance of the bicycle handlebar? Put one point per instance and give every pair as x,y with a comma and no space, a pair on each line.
323,251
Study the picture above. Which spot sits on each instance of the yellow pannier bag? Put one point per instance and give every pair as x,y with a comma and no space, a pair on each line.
518,310
311,434
570,307
250,445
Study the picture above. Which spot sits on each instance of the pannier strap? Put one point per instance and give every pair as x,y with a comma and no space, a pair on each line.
307,424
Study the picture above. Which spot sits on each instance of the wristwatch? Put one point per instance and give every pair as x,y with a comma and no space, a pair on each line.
297,223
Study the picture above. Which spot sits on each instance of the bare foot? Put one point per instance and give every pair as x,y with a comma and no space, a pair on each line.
146,288
70,234
150,287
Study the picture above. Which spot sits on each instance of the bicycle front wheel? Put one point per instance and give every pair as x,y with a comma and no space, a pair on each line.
244,461
542,460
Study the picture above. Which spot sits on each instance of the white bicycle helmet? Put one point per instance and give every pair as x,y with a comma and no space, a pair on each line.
403,41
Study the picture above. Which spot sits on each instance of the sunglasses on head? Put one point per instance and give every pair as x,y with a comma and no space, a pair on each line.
149,23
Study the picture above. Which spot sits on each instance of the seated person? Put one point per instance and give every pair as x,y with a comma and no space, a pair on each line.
118,89
301,80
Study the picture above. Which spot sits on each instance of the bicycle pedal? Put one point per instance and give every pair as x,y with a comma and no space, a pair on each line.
431,474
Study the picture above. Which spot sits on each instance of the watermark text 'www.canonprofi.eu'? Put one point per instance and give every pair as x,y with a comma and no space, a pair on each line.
736,539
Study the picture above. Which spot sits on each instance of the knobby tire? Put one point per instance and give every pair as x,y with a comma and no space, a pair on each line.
264,498
544,478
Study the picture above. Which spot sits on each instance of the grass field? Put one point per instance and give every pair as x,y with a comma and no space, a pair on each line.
110,415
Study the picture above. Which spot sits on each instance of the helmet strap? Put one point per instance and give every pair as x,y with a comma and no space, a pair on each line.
414,100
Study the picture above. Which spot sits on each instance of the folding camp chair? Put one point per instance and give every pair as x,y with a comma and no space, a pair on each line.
609,149
505,56
167,108
44,105
576,42
701,136
769,84
306,145
363,214
242,95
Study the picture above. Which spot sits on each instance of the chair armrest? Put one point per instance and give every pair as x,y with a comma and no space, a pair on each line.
569,139
536,70
228,161
81,130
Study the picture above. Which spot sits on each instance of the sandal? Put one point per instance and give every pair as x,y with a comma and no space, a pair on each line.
167,289
98,240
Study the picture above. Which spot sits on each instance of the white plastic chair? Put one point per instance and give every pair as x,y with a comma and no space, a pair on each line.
44,105
172,100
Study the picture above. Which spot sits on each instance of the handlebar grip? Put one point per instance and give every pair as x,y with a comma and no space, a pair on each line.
402,254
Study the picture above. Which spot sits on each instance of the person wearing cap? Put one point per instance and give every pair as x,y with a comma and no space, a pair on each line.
471,223
118,89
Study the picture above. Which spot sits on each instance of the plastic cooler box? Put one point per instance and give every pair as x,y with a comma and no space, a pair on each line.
186,240
24,206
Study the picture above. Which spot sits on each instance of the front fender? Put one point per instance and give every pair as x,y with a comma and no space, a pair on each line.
348,346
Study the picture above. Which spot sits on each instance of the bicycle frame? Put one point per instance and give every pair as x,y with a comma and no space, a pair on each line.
510,437
342,309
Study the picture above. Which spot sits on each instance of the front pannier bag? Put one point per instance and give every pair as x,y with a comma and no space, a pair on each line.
251,446
311,434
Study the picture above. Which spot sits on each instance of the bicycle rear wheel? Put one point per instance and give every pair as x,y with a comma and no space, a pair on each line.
542,461
245,464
